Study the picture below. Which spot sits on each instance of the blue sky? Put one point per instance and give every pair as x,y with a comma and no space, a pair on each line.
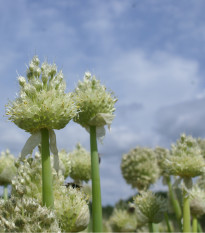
150,53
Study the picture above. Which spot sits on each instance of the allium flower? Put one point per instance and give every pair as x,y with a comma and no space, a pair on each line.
7,167
26,215
197,201
28,179
96,104
71,205
96,108
139,167
186,159
80,164
150,207
123,221
42,102
71,208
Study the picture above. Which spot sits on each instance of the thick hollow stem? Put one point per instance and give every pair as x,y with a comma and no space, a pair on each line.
199,227
153,227
47,189
175,202
5,192
186,213
194,224
150,227
167,222
96,192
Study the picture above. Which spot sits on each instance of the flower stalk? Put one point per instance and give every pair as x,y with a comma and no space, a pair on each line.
150,227
167,222
174,201
47,190
186,213
194,224
96,191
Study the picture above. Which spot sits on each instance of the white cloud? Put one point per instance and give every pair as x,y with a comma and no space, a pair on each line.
155,79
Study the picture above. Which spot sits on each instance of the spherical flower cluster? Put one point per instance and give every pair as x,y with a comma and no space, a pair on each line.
80,164
123,221
185,159
139,167
26,215
197,201
71,208
42,102
71,205
150,207
28,180
96,104
7,167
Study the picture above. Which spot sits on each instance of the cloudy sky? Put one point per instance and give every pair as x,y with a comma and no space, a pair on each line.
149,52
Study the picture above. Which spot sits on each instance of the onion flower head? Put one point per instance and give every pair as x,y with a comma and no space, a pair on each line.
95,103
197,201
41,104
122,220
185,159
80,164
150,207
42,101
71,205
26,215
139,167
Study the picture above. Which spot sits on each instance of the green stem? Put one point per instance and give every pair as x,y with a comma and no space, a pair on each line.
175,202
186,213
47,189
153,227
167,222
194,224
5,192
199,227
150,227
96,193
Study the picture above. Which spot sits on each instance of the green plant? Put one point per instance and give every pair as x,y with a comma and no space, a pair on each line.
41,106
96,108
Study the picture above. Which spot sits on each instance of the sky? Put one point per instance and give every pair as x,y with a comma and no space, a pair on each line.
149,52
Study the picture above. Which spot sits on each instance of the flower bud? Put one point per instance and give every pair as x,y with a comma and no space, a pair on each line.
22,81
123,221
197,201
139,167
150,207
185,159
80,164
